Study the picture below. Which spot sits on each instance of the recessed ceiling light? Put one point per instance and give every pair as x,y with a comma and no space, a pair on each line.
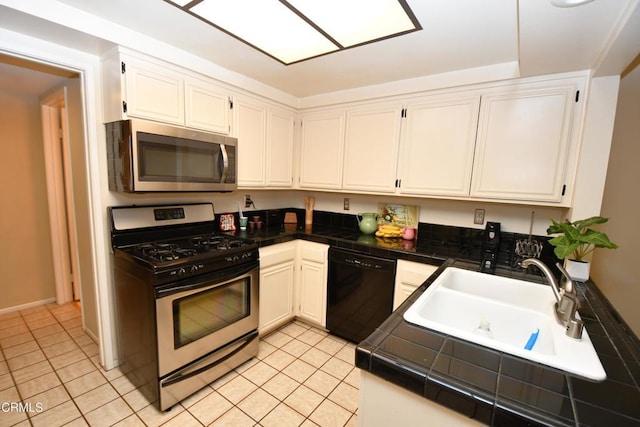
291,31
569,3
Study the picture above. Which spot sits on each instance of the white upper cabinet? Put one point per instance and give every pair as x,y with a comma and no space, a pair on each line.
143,87
207,106
265,141
153,92
437,145
522,146
322,150
279,158
371,148
250,127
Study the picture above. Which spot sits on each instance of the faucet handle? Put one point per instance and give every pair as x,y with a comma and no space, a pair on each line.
570,285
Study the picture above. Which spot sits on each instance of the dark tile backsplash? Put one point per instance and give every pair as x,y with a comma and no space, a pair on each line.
462,242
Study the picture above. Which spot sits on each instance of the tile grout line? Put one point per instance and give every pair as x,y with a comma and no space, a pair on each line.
55,371
291,337
331,356
299,384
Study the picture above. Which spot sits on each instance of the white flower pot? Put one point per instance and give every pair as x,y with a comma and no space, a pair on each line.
578,270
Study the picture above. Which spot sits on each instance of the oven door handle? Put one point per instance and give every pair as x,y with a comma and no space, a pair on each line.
205,363
218,277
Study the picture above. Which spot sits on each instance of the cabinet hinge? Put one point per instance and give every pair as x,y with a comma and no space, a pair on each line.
564,189
123,67
124,106
577,95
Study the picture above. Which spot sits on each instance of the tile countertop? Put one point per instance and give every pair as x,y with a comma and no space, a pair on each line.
503,390
425,251
493,387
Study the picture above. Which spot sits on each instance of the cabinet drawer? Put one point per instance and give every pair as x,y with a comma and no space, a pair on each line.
414,273
277,254
314,253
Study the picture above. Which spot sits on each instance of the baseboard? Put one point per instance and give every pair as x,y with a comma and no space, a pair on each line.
27,305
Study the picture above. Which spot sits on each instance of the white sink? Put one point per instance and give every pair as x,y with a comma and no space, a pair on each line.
465,304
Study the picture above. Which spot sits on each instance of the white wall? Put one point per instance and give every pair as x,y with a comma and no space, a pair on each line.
513,218
615,271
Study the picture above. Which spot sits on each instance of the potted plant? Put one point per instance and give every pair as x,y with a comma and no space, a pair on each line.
575,241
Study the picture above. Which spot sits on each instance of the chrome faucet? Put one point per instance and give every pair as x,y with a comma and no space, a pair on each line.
567,303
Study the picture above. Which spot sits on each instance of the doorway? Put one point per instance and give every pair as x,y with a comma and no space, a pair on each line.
54,130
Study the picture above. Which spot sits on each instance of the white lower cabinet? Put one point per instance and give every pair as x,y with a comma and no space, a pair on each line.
312,285
293,282
277,278
409,275
383,404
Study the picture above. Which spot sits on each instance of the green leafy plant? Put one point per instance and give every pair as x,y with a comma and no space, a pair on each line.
577,239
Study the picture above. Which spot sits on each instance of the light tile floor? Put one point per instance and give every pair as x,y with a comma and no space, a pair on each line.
50,376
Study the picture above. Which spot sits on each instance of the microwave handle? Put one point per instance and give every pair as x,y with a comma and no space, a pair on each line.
225,162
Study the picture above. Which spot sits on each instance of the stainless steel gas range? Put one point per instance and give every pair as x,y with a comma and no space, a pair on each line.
186,298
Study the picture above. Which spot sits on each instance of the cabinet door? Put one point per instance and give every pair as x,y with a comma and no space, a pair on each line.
279,159
437,146
409,275
207,106
371,148
153,92
313,282
322,150
522,147
276,296
250,121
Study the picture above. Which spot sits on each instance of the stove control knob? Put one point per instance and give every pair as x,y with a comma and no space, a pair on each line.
193,269
235,258
181,272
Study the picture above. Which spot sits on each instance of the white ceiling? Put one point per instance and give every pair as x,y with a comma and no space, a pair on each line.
531,37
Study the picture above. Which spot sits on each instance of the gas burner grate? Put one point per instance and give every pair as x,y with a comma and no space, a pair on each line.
215,242
165,252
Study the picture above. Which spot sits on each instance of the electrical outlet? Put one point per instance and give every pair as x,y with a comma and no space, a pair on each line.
346,203
247,201
478,217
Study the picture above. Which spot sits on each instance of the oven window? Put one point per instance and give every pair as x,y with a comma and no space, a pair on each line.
206,312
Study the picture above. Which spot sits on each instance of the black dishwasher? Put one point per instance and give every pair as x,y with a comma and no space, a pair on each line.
359,293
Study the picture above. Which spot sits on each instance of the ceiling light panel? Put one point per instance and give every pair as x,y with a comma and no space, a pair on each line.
294,30
267,25
356,22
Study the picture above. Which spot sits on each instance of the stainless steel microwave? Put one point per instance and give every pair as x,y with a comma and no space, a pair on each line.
145,156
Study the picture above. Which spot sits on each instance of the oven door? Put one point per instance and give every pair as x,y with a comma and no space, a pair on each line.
199,315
